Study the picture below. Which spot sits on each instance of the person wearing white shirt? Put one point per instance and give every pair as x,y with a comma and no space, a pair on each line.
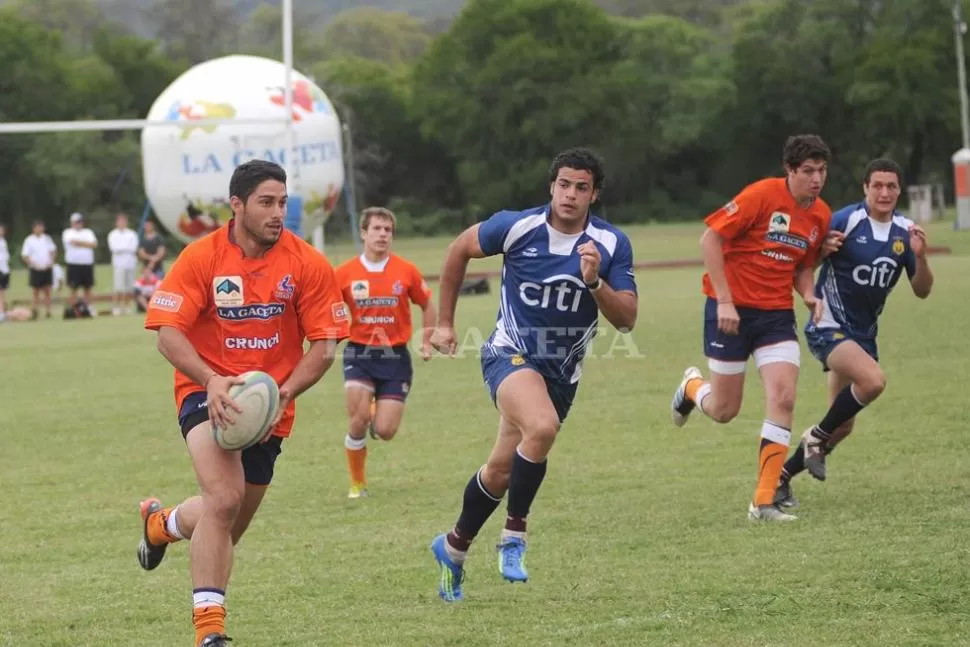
123,243
79,245
4,271
39,252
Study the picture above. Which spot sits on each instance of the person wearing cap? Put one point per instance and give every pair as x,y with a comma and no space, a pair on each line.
79,245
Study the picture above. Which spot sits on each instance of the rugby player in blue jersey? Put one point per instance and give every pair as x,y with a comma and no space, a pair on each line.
562,267
877,246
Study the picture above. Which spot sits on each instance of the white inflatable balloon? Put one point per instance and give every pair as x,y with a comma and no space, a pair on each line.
187,168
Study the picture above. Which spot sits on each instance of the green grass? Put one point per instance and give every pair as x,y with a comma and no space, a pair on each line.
638,536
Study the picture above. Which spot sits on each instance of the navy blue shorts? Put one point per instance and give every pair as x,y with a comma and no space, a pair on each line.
258,461
386,370
498,363
757,328
822,341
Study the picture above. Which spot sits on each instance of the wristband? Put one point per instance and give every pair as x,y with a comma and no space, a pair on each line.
596,285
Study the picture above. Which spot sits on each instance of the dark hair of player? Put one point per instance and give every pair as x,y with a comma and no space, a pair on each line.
801,148
885,165
251,174
581,159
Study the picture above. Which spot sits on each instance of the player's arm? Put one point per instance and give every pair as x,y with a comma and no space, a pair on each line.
712,251
315,363
325,321
173,310
918,267
178,350
420,295
616,294
731,221
464,248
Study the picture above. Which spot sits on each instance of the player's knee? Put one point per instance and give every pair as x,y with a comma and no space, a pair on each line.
223,503
781,398
496,476
722,411
542,428
359,422
871,386
385,431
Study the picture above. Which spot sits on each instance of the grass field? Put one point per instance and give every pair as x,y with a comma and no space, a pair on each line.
638,537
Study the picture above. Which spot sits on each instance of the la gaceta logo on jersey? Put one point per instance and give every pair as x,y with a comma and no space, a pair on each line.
562,292
879,274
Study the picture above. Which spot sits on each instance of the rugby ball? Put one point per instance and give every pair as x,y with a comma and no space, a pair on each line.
259,398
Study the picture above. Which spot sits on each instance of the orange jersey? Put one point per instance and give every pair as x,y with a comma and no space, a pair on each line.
249,314
380,299
767,236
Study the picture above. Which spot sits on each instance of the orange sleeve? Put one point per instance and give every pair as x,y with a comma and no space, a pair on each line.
419,292
320,305
182,295
738,215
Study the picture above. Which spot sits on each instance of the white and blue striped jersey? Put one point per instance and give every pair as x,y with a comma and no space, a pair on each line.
856,280
546,313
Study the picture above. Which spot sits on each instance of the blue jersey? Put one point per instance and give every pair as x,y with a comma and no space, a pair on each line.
856,280
546,311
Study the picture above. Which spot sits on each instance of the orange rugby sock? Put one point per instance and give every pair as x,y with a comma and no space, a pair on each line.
356,451
771,460
692,387
208,620
158,533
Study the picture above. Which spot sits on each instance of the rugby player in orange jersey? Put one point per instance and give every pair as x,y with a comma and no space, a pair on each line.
755,248
379,288
242,298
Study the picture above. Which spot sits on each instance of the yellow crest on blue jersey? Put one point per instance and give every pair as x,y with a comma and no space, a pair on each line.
517,360
838,335
898,247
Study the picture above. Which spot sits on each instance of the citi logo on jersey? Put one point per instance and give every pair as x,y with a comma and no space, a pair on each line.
252,343
563,292
879,274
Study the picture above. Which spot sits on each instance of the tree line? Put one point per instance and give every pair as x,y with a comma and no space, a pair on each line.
687,100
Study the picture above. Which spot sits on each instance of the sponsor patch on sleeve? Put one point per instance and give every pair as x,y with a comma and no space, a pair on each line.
167,301
340,311
731,208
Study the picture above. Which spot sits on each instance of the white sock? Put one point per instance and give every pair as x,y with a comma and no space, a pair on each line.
702,392
172,526
455,555
506,534
775,433
354,443
208,598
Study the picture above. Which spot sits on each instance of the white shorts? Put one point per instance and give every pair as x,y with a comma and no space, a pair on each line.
124,279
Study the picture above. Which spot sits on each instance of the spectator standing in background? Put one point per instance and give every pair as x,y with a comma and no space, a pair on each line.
152,250
123,243
79,245
39,252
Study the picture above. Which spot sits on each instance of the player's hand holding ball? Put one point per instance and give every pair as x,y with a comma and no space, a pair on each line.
218,400
245,409
443,340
